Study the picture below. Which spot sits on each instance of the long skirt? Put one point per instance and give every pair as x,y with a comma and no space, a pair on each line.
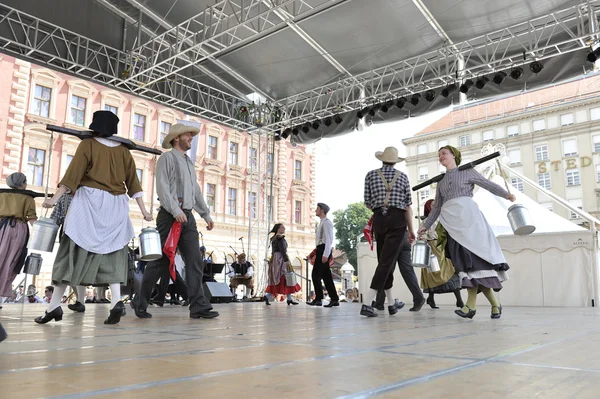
12,241
443,281
277,269
76,266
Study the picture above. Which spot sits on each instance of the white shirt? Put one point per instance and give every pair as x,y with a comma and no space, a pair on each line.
325,235
231,269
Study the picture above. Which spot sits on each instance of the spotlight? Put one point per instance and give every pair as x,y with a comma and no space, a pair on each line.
449,89
594,55
414,100
464,88
374,110
536,67
328,121
277,136
516,73
429,95
499,77
400,102
361,114
306,127
315,125
385,107
295,131
338,119
390,103
286,133
481,82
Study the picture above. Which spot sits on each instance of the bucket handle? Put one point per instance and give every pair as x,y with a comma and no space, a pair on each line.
502,174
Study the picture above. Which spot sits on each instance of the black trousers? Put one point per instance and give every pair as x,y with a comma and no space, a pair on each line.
389,231
408,274
323,271
189,247
177,288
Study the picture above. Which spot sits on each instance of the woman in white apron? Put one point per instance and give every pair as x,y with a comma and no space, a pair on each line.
470,241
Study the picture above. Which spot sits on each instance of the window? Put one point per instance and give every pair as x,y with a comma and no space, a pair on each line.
423,195
596,140
270,163
140,174
512,130
578,204
598,173
211,191
252,205
423,173
212,148
422,149
41,101
233,153
164,130
488,135
78,105
252,159
544,180
298,170
595,114
464,141
517,183
570,147
68,161
442,143
232,201
514,156
35,166
541,152
112,109
566,119
139,126
573,177
298,212
539,125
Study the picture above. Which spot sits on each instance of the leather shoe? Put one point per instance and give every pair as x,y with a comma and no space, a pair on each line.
77,307
141,313
378,307
114,317
431,302
315,303
292,302
418,305
497,315
368,311
56,314
469,315
205,314
332,304
393,309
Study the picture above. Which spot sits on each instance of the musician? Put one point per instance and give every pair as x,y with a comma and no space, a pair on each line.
241,273
93,249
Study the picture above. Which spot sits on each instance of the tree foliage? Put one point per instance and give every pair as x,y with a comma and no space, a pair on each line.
349,223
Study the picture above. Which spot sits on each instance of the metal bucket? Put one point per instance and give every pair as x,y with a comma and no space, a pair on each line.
421,254
434,265
150,248
520,220
33,264
43,235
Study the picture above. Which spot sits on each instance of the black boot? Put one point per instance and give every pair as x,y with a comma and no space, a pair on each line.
431,302
115,314
459,301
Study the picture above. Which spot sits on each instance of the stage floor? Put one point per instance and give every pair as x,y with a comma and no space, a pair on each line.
279,351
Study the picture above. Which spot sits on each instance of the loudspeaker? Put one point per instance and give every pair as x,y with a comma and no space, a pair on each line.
217,292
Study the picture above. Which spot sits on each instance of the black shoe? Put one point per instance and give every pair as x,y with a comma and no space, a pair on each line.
497,315
267,301
376,306
418,305
205,314
315,303
3,334
469,315
114,317
56,314
393,309
104,301
332,304
185,303
77,307
141,313
157,302
368,311
291,302
431,302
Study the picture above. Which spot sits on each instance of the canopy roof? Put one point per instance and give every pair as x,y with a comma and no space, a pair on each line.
308,59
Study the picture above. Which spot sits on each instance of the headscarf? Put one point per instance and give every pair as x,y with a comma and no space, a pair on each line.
455,152
427,207
15,180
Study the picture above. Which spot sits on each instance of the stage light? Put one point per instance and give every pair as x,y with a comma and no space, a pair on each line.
429,95
328,121
390,103
315,125
536,67
499,77
385,107
295,131
400,102
481,82
374,110
516,73
361,114
286,133
338,119
464,88
414,100
594,55
448,89
277,136
306,127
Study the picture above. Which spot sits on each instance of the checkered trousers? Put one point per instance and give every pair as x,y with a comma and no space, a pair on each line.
400,196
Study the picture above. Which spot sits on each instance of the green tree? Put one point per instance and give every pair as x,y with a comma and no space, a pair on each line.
349,223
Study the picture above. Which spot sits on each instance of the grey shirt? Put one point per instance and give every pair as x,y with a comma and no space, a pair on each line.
460,183
176,178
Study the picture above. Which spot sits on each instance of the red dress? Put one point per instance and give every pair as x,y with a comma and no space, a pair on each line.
278,268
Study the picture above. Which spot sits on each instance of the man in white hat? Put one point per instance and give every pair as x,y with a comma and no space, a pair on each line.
179,193
387,194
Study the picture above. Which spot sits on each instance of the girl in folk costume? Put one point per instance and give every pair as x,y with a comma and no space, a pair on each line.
97,229
445,280
16,210
469,240
278,266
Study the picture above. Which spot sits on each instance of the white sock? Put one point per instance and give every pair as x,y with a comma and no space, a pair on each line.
80,289
390,297
59,291
370,296
115,294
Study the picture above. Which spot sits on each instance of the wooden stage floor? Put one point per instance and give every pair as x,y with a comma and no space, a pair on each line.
255,351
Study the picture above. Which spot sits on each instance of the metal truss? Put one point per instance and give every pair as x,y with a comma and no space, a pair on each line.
540,38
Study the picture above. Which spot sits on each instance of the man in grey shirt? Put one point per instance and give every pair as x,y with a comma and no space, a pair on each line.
179,193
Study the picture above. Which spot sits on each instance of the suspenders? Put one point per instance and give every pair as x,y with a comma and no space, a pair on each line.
388,186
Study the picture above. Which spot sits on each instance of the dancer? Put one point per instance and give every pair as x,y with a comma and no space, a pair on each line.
97,229
467,237
279,264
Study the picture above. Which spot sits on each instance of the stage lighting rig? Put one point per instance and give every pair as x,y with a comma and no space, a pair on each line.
536,67
400,102
516,73
414,99
429,95
499,77
315,125
481,82
464,88
338,119
328,121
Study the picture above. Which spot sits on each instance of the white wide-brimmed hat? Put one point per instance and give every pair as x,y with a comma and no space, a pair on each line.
389,155
177,130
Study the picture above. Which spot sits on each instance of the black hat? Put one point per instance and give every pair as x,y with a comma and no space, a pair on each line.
104,123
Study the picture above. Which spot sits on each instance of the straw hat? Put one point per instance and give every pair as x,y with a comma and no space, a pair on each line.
177,130
389,155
